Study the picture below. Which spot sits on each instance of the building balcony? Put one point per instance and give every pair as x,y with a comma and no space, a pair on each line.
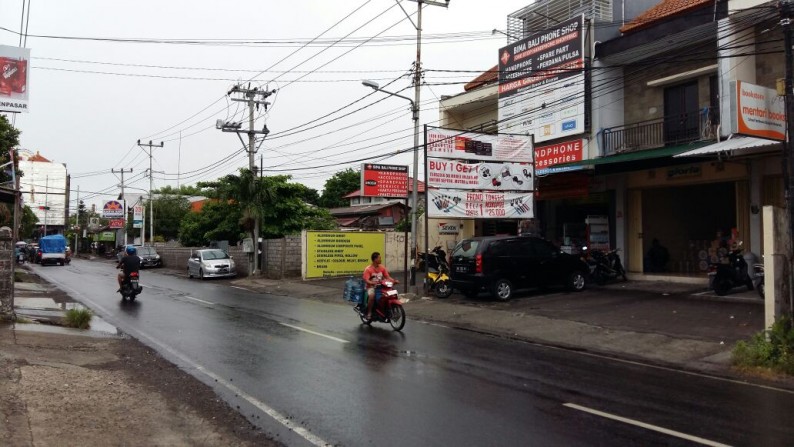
659,132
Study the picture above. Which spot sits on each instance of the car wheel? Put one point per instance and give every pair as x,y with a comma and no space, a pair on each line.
201,274
576,281
502,290
189,275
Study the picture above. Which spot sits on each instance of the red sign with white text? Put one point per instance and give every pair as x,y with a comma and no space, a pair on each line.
116,223
555,154
384,180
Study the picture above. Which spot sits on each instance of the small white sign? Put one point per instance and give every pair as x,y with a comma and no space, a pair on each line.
448,228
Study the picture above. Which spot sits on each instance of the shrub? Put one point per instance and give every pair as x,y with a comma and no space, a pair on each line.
772,349
79,318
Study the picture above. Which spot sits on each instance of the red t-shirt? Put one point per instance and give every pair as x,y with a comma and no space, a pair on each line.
373,274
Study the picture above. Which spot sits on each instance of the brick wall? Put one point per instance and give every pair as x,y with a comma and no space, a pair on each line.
281,258
6,274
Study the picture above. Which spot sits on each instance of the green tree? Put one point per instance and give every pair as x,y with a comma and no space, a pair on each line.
183,190
9,139
169,210
28,222
338,186
216,221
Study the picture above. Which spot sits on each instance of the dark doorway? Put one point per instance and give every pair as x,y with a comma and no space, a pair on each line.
681,113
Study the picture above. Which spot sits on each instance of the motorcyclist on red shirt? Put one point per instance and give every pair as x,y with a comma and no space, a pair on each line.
374,274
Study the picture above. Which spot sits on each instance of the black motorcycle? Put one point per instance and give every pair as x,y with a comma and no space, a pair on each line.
130,286
730,273
604,266
758,278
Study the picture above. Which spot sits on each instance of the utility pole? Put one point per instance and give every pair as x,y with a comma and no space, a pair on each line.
123,199
249,95
77,220
417,94
46,204
151,202
786,15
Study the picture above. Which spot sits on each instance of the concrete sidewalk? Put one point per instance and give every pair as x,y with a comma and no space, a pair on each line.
682,326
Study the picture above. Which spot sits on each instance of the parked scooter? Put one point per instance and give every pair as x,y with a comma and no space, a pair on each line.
724,276
130,287
758,278
437,280
387,309
604,266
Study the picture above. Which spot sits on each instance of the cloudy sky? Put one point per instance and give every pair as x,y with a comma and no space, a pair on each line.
105,74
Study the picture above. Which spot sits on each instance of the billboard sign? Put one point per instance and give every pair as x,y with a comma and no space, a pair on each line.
462,145
137,216
116,224
447,203
547,157
757,111
112,209
490,176
384,180
542,83
335,253
14,76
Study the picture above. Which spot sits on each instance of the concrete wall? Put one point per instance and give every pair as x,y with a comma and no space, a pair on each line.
281,258
6,274
176,258
777,276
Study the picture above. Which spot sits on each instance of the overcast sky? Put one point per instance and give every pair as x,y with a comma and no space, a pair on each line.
91,120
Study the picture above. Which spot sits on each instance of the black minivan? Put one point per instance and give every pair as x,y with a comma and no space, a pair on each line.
501,264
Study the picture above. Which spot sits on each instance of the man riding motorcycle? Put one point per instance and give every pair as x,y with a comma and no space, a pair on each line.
374,274
129,263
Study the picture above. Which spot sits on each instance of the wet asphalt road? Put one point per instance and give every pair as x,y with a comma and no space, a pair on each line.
313,365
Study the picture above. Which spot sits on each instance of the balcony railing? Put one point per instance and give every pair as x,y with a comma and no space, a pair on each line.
659,132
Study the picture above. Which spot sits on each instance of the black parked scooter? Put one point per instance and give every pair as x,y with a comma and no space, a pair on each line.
758,278
724,276
604,266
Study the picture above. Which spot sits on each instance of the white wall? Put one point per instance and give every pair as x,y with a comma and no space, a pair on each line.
44,183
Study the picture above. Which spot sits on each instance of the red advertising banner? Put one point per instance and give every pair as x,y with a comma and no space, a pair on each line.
116,223
546,157
384,180
14,75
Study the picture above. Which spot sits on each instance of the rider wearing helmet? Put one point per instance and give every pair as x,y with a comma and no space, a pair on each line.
129,263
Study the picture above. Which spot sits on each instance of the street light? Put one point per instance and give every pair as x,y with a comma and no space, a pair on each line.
414,196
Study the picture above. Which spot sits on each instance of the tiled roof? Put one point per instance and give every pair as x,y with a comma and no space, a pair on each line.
489,76
38,157
663,10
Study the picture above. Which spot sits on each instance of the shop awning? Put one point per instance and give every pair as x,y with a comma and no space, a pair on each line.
734,146
662,152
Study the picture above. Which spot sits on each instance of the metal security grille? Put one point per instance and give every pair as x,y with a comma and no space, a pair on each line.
545,14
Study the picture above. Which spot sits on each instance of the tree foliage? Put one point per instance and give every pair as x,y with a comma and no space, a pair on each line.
28,223
338,186
9,139
183,190
169,210
280,205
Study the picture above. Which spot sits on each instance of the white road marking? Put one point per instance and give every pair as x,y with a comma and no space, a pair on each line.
666,431
200,301
278,417
315,333
241,288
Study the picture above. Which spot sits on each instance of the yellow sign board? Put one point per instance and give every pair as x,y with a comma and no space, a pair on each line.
335,253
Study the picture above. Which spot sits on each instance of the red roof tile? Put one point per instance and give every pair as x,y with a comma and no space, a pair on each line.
663,10
489,76
38,157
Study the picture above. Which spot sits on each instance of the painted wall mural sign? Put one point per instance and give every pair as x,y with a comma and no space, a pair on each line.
461,145
487,176
446,203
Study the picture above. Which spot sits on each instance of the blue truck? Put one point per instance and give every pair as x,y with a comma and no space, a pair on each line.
53,249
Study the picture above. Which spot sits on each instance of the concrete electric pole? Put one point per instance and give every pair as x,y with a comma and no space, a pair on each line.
151,202
249,95
123,200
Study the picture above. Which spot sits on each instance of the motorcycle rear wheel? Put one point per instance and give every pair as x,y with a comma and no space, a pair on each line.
397,318
443,289
722,286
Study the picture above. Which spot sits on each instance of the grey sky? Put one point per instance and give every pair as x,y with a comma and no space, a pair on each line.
91,121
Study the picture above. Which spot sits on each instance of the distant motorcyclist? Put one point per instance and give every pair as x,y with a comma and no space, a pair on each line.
129,263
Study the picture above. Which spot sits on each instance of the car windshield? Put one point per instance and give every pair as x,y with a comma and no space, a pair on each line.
465,249
213,254
146,251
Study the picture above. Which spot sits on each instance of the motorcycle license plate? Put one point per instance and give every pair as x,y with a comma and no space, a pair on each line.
391,293
134,284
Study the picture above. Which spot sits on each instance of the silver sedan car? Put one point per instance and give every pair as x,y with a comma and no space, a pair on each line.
210,263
